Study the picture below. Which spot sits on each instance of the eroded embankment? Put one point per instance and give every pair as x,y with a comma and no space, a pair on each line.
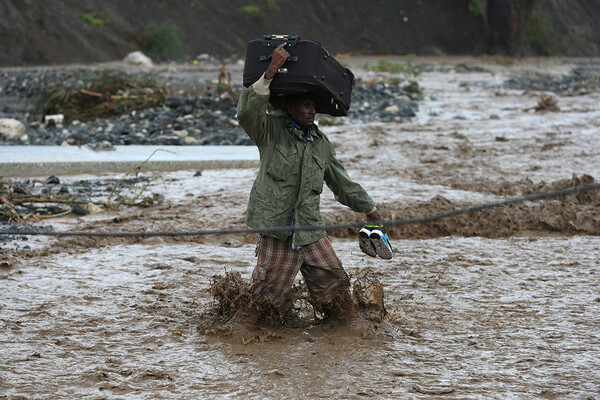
572,214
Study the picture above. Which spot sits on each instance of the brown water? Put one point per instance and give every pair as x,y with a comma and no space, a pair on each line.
503,304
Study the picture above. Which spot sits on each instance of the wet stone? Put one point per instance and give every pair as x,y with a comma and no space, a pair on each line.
52,180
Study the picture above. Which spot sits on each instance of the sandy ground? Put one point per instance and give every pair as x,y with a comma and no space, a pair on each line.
502,304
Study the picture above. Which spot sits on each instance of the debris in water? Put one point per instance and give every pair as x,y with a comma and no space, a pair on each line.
252,317
545,103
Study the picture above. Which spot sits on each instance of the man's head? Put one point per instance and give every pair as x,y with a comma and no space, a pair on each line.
302,109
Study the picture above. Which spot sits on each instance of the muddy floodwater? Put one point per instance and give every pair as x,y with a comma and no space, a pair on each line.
498,304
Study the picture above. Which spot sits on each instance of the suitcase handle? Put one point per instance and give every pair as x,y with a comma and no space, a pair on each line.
275,40
268,57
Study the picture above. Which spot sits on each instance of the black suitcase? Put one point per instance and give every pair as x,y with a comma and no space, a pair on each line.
310,69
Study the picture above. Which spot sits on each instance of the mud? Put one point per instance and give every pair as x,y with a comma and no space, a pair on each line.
499,304
241,315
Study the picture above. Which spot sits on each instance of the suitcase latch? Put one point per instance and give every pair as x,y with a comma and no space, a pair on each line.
276,40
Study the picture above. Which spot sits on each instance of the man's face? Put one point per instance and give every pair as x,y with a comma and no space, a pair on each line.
303,112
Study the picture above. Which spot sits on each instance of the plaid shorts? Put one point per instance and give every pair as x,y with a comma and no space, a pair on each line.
278,265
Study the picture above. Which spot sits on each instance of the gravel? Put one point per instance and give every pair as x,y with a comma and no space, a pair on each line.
205,117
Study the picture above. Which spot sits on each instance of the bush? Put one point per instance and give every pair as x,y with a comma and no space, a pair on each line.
395,68
412,87
251,11
538,37
474,8
165,41
96,19
88,95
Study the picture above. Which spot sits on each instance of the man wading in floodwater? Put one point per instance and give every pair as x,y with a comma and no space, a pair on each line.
295,159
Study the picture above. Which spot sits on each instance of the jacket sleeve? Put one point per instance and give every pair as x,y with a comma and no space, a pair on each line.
252,111
346,191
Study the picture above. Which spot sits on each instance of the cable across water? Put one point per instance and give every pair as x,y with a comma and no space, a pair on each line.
411,221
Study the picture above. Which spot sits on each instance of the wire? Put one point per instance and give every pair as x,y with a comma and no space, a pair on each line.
435,217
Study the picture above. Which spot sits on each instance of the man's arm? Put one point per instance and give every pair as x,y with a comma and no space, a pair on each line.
347,191
252,105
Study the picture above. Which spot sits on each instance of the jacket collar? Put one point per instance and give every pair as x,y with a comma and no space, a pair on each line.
292,127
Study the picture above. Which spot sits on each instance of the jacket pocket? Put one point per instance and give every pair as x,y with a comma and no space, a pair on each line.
282,163
317,174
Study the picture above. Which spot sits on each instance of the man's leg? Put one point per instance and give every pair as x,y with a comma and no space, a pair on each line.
323,272
275,270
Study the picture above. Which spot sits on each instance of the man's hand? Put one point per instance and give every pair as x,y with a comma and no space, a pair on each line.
373,216
373,238
279,57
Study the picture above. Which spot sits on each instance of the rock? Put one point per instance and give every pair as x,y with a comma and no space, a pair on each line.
79,209
93,209
11,128
138,59
206,58
185,109
182,133
52,180
20,189
392,109
168,139
53,120
104,145
175,101
190,140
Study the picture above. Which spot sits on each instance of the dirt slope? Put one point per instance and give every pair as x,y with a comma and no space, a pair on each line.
67,31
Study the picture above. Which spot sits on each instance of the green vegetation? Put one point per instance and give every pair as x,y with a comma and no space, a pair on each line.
252,11
96,19
395,68
271,4
98,94
538,37
165,41
474,7
412,87
387,66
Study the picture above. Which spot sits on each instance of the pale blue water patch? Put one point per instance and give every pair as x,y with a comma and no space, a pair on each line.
136,153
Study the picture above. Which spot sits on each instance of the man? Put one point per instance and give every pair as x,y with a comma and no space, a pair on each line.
295,159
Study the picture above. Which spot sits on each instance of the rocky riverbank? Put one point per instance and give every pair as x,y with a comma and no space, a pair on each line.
194,110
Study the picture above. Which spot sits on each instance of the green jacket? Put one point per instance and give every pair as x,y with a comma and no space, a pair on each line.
292,171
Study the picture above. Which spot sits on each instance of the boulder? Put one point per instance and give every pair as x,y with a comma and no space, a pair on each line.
11,128
139,59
